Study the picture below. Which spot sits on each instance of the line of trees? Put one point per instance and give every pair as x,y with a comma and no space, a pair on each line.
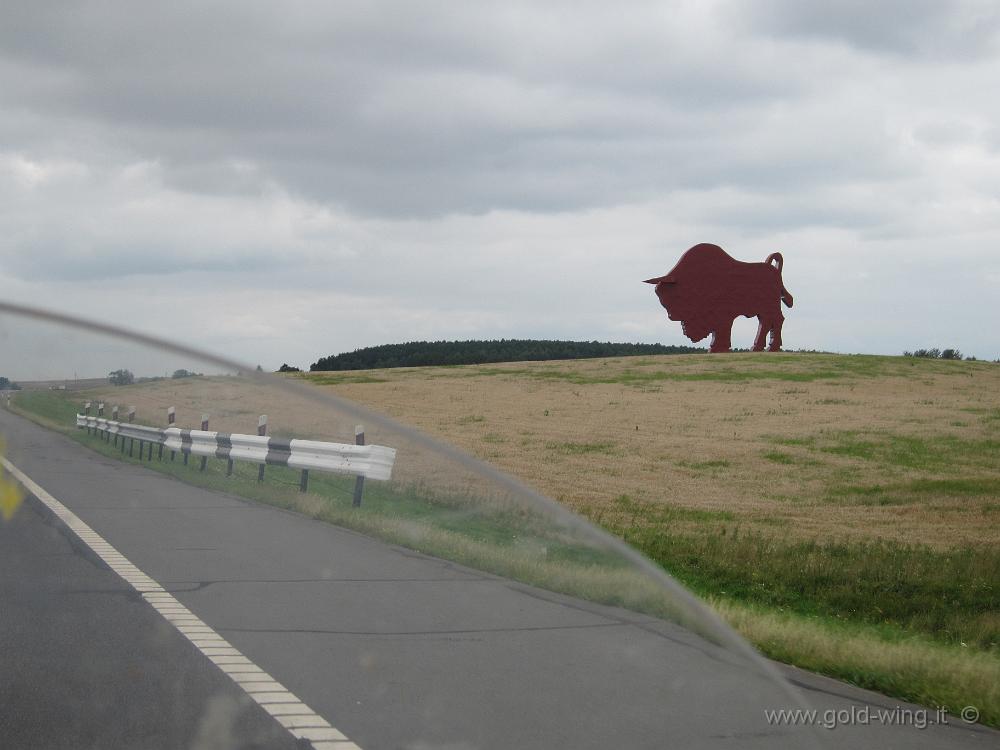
477,352
6,384
937,354
127,377
121,377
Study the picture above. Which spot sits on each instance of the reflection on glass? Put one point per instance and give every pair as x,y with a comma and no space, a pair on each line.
437,602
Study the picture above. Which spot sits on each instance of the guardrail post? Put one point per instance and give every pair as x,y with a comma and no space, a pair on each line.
229,462
262,431
171,419
131,441
204,428
100,413
359,482
304,480
114,417
86,411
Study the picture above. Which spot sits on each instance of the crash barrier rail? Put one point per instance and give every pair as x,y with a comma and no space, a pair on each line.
360,460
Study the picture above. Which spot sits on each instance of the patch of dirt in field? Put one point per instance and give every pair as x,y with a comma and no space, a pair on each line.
799,445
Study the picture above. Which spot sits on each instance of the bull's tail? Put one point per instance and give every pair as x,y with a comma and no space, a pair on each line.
778,262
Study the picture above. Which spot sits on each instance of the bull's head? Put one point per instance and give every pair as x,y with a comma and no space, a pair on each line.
663,286
694,323
666,287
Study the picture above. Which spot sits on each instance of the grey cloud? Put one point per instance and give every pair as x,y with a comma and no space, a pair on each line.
216,176
767,217
391,109
114,263
946,132
929,28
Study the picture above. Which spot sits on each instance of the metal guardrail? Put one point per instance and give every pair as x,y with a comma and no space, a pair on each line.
362,461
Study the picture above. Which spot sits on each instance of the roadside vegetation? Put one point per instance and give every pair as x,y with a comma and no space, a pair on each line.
506,540
842,512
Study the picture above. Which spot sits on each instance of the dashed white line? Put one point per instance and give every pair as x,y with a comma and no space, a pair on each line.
275,697
299,722
284,709
260,687
283,705
244,668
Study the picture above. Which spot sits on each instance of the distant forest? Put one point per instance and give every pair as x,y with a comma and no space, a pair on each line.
427,353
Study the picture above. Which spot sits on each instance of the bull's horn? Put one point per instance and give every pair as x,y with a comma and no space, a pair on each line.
661,279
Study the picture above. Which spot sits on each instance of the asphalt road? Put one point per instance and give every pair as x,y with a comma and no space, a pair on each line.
86,663
394,649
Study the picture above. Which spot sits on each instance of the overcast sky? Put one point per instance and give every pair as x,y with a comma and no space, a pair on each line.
281,181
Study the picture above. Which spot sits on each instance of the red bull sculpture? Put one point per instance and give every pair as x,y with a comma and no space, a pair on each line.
708,289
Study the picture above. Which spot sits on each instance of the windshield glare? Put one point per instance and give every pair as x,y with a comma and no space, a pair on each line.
266,563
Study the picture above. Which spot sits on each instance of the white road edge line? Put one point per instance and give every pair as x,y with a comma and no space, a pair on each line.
277,701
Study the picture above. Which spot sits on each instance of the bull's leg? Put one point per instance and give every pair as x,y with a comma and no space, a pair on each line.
764,325
722,336
776,333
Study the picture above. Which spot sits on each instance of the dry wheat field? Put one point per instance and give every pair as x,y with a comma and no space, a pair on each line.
810,446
